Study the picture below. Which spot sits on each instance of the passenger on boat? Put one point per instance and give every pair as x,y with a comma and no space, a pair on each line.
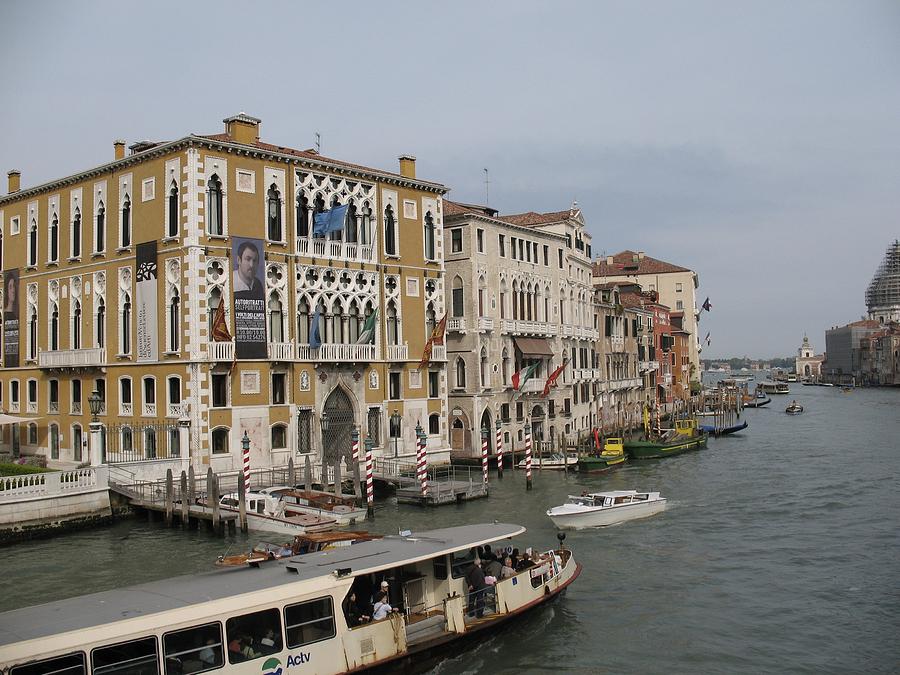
382,608
352,612
507,570
477,586
493,567
208,654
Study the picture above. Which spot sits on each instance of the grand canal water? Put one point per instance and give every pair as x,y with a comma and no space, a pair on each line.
779,552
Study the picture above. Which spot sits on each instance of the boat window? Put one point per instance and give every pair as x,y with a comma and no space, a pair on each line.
251,636
440,567
460,561
228,501
137,657
309,622
70,664
194,650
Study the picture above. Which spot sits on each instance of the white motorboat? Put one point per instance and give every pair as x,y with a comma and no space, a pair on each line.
265,513
606,508
553,461
342,509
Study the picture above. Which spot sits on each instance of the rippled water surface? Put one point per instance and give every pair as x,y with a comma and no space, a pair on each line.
779,552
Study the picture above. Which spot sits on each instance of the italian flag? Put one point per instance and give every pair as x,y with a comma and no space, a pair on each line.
367,334
521,377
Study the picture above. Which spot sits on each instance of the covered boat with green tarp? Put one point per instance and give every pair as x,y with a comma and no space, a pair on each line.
613,455
685,436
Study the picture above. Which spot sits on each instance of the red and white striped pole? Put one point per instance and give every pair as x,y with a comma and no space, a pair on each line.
422,460
370,483
527,455
354,445
485,434
499,451
245,446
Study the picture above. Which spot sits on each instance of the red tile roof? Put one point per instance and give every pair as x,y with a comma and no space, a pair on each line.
458,209
627,263
533,219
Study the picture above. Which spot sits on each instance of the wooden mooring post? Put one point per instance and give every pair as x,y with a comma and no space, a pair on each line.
170,498
185,502
212,494
242,502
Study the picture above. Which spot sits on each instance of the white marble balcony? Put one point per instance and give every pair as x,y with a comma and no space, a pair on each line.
72,358
397,353
457,324
335,250
338,352
280,351
220,351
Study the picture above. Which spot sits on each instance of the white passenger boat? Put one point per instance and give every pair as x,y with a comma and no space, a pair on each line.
318,503
606,508
290,616
265,513
553,461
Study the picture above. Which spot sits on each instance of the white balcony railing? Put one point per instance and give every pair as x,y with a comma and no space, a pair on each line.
14,407
337,352
398,352
522,327
149,410
281,351
568,330
335,250
439,353
648,366
485,323
534,386
31,407
458,324
126,409
76,407
220,351
53,407
72,358
174,410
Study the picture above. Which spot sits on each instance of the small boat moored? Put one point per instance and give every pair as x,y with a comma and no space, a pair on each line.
265,513
685,436
302,544
598,509
613,455
556,461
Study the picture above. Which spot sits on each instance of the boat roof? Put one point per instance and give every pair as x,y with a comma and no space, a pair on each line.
615,493
42,621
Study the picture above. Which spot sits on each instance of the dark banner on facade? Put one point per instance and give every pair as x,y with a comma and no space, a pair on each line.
11,318
146,324
249,298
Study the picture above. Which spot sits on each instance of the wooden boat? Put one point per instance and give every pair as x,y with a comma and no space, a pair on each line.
342,509
713,430
685,436
612,456
555,461
757,402
302,544
287,616
794,409
598,509
265,514
775,387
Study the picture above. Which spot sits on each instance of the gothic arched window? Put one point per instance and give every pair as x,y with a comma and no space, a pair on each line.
214,218
273,211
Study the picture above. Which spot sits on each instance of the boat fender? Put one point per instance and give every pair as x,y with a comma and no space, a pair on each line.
547,589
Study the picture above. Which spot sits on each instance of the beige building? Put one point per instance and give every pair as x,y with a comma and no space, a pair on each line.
518,293
675,285
808,364
188,283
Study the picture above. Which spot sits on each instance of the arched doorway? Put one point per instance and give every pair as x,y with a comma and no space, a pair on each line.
459,430
338,419
485,424
537,423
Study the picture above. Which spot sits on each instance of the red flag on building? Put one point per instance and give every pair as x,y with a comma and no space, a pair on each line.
551,381
220,325
437,338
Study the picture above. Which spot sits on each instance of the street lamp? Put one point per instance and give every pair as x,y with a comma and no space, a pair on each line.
94,403
323,421
395,429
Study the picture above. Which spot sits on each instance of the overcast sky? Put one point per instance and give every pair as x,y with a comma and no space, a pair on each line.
757,143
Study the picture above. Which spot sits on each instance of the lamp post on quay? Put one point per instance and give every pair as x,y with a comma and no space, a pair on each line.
95,404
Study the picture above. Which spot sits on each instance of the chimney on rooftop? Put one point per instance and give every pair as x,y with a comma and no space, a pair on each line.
242,128
609,260
14,177
407,166
640,255
119,148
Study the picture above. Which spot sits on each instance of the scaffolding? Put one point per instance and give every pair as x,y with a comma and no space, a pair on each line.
884,290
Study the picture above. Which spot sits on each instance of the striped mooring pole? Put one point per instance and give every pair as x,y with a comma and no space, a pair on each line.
485,435
245,446
527,457
499,451
422,459
370,483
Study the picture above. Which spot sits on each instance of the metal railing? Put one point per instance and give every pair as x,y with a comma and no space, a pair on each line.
142,441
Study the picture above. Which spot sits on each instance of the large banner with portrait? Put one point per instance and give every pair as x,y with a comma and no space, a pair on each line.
11,318
249,293
146,323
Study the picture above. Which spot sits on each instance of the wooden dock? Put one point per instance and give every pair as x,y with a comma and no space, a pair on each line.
447,484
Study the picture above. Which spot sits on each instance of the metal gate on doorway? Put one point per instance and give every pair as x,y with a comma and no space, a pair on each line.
337,424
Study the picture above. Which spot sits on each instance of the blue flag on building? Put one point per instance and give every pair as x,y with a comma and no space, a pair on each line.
329,221
315,337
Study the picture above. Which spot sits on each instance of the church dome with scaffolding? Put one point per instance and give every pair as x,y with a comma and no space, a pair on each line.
883,293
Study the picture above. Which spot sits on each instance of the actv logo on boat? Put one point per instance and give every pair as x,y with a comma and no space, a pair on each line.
273,666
